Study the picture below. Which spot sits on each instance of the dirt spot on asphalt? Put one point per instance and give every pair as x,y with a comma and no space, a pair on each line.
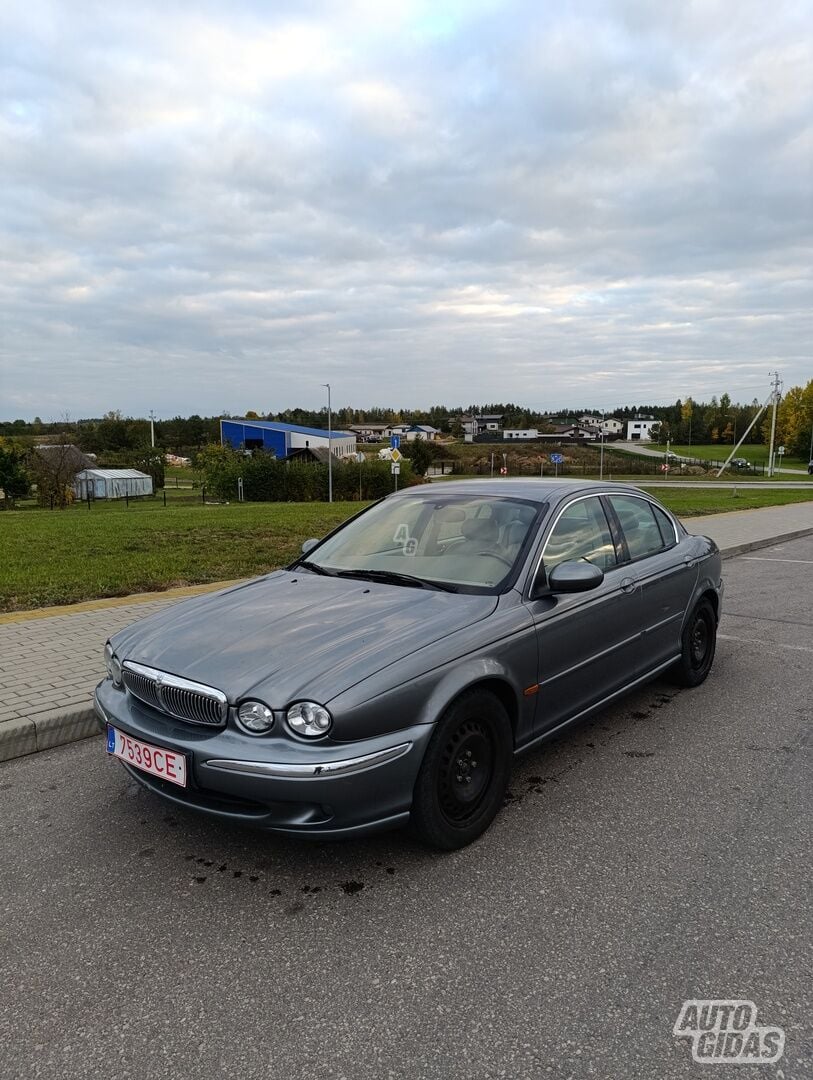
638,753
350,888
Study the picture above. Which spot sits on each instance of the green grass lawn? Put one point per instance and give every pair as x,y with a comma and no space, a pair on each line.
59,557
755,453
687,502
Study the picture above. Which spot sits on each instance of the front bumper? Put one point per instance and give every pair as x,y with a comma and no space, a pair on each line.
274,782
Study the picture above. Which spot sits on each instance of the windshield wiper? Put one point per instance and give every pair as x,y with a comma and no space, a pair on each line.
314,567
392,577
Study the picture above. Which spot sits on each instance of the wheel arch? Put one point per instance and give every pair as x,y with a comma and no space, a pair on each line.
479,675
712,597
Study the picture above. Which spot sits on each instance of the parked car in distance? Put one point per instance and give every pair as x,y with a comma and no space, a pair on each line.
390,675
810,468
740,463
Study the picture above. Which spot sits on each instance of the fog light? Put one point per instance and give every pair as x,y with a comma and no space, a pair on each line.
113,664
255,717
307,719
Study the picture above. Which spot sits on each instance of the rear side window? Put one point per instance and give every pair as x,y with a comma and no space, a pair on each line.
665,525
639,525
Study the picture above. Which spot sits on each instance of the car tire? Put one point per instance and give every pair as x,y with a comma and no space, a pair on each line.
699,643
465,771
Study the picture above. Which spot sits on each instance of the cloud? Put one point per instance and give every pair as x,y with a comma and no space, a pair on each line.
213,206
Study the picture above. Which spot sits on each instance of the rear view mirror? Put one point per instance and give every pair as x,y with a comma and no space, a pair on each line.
309,545
575,576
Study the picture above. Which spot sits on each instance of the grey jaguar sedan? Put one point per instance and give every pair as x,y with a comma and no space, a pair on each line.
390,675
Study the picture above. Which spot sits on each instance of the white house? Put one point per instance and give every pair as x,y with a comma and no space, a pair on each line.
609,425
612,426
520,433
421,432
641,428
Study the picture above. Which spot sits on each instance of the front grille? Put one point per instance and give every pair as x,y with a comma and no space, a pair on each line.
180,698
145,690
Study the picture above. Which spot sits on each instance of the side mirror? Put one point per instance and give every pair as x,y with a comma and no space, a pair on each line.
309,545
575,576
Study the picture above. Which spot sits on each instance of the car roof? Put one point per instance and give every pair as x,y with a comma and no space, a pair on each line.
536,489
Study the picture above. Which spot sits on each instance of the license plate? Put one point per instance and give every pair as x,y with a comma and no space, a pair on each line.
168,764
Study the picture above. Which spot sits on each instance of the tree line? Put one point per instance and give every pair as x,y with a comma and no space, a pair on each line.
686,421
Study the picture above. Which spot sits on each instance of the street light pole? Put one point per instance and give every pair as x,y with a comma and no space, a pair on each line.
152,429
329,447
601,452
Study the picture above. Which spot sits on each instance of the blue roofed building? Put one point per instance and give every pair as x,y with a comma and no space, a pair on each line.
283,440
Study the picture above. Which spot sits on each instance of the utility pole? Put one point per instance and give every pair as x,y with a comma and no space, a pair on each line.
775,396
152,429
329,447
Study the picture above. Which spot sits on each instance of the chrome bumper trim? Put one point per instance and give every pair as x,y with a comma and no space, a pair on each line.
315,771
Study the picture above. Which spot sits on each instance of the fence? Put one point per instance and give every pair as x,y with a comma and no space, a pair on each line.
615,464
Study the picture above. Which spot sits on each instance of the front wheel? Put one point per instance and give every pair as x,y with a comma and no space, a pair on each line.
465,772
699,643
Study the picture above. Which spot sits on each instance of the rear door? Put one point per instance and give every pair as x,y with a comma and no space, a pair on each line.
587,641
666,572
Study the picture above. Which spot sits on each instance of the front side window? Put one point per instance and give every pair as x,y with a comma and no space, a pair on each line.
638,524
582,532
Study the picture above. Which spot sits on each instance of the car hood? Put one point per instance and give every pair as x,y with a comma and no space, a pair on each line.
290,636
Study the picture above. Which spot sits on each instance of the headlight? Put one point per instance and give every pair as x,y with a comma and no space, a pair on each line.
113,664
255,717
307,719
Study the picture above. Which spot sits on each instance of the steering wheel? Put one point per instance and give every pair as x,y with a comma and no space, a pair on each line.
494,555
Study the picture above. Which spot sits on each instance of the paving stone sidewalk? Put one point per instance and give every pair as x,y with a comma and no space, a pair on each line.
50,665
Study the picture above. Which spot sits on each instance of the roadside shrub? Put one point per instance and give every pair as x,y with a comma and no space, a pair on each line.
265,479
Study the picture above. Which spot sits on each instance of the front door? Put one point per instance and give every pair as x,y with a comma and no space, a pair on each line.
586,641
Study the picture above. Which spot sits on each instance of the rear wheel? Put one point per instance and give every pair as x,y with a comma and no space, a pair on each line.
465,771
699,644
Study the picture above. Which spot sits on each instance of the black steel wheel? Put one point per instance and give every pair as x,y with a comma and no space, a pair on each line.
699,644
465,771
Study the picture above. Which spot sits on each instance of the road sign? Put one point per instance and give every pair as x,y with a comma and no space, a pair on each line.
360,457
395,468
395,455
557,459
395,441
780,450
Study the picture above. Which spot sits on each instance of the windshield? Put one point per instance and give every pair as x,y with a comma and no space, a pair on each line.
467,543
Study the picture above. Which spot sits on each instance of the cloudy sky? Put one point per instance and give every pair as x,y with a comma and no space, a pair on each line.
216,207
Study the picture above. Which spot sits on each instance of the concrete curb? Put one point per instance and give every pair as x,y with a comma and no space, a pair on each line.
47,730
755,545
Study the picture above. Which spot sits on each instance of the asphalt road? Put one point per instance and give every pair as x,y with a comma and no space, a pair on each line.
660,853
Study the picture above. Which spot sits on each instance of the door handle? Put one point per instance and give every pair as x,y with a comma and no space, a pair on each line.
628,584
689,560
